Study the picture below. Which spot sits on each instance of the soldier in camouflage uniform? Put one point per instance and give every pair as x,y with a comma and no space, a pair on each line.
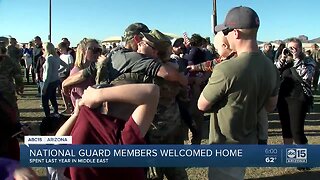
166,127
14,52
10,79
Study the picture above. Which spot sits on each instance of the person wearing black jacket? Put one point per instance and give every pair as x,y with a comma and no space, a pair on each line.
295,95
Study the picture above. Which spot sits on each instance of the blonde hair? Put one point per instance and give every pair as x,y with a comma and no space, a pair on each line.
49,49
81,51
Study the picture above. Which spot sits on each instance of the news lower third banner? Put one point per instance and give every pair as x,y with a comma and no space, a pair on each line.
170,155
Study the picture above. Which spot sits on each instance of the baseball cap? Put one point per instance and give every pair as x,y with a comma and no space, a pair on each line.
239,18
135,29
157,39
178,42
37,38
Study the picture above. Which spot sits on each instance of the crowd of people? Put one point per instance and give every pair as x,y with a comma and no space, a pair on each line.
154,89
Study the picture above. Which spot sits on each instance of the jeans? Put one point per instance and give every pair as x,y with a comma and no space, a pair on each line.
292,114
51,95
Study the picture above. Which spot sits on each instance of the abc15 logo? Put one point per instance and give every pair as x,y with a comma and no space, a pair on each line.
297,153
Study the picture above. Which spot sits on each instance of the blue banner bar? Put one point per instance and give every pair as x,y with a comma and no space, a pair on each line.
170,155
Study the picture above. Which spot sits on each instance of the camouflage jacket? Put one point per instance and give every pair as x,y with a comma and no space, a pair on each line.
15,53
10,76
167,118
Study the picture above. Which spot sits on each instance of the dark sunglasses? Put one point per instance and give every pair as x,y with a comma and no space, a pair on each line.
227,31
95,50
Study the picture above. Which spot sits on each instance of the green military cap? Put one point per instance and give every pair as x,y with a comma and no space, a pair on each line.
135,29
159,40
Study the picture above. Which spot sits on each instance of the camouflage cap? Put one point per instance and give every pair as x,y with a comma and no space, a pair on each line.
159,40
152,41
135,29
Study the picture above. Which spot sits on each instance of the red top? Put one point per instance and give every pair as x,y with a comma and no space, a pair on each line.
95,128
77,90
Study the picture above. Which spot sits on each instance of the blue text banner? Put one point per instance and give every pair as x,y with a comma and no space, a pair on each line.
170,155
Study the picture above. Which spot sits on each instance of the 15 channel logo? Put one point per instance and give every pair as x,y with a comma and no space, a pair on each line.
296,155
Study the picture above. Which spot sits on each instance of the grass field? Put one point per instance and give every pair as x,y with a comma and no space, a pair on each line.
31,112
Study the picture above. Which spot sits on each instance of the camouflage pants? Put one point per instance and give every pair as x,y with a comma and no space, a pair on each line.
166,129
171,173
158,173
11,99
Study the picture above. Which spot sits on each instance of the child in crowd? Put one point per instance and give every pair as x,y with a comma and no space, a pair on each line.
64,73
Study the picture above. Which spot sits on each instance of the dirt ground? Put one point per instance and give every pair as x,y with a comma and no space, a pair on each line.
31,112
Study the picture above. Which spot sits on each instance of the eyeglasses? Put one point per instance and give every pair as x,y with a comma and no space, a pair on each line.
95,50
226,31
